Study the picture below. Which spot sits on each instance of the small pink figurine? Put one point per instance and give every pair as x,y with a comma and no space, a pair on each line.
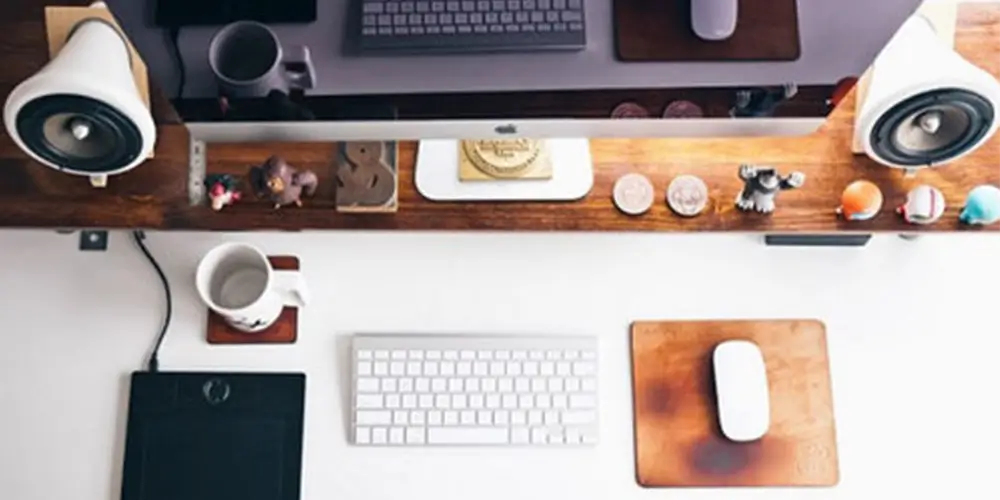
222,190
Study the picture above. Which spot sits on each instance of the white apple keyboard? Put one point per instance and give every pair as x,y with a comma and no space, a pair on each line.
421,390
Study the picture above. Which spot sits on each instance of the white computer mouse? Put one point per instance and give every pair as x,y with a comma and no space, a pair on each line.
742,390
714,20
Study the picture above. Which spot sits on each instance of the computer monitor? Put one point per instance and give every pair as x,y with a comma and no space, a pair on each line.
807,51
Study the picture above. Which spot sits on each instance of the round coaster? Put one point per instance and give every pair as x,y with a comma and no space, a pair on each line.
633,194
687,195
502,157
629,109
683,109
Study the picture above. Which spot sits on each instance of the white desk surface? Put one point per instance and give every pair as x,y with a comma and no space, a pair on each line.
912,330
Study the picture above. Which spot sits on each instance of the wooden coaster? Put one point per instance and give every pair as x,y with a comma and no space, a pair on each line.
489,161
283,331
678,441
660,30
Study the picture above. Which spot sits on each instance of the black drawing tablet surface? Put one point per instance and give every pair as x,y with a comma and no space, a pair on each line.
214,436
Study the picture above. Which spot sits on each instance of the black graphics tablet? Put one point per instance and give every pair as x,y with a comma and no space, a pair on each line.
214,436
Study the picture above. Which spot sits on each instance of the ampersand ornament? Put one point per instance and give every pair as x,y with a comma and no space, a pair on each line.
363,178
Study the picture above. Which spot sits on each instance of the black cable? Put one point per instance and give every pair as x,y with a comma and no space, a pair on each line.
174,34
154,361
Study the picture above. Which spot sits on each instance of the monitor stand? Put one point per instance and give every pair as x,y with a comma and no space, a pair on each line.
437,175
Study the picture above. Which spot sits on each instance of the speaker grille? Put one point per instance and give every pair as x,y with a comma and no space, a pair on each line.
79,134
932,128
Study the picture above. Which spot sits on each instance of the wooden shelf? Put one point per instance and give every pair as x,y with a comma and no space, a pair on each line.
155,194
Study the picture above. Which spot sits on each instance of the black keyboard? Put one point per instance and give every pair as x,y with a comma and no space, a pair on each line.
461,26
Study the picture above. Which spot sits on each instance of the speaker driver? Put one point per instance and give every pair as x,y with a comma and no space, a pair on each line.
79,134
932,128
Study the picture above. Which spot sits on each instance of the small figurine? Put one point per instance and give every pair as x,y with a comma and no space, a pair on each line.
761,185
222,190
282,182
761,102
924,205
861,200
982,207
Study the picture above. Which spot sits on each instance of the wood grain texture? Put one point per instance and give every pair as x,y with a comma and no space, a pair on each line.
284,331
660,30
677,437
155,194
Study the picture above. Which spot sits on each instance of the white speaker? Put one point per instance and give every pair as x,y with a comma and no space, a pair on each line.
82,113
925,105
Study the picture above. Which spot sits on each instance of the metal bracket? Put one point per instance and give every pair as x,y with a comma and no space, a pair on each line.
817,240
197,169
93,241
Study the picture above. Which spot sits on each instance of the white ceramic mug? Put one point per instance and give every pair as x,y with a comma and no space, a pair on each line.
237,281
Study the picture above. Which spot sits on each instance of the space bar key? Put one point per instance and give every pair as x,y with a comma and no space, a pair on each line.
467,435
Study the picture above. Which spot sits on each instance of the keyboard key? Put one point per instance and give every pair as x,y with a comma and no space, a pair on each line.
423,384
589,385
534,417
589,355
434,417
417,418
552,16
368,31
373,418
551,417
480,369
489,385
380,435
437,7
522,385
497,367
581,368
507,17
388,385
539,436
381,354
501,417
467,435
548,368
405,385
397,368
476,18
502,355
519,417
472,385
477,401
483,5
451,417
415,435
414,20
499,5
513,5
468,6
467,417
582,401
362,435
543,401
364,368
381,368
372,8
451,355
391,8
416,30
508,401
425,401
519,355
520,435
439,385
459,401
400,417
493,401
368,20
544,27
433,355
367,401
409,401
464,368
423,7
560,401
393,401
575,4
484,417
396,435
407,7
559,4
480,28
572,385
525,401
555,385
442,401
492,18
455,385
505,384
398,354
578,417
538,385
447,367
496,28
366,384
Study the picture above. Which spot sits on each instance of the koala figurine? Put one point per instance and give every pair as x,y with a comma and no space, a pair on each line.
282,182
761,185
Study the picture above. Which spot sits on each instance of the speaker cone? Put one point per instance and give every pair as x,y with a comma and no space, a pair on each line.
932,128
79,134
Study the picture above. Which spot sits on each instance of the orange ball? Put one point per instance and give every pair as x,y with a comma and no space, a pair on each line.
861,200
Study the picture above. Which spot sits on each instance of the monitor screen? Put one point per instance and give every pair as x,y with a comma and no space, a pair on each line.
374,62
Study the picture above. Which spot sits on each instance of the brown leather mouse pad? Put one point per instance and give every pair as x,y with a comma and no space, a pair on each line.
660,30
678,441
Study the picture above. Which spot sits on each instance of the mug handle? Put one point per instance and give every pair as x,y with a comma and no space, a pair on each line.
291,283
299,69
